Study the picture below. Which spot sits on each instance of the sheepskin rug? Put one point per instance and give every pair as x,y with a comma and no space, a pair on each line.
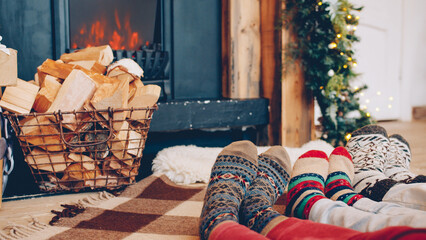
192,164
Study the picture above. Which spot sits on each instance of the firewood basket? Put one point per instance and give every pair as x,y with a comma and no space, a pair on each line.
83,150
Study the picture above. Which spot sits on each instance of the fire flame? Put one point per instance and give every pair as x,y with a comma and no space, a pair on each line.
118,34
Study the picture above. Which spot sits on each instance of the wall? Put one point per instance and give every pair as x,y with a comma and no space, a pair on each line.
26,26
413,67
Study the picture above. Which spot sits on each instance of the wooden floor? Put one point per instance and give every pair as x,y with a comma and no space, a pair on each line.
20,212
415,133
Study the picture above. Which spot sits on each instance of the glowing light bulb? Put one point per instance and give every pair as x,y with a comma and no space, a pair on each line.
319,3
354,64
321,87
356,88
367,100
377,109
348,27
361,94
342,53
389,106
363,107
339,35
357,17
332,45
390,98
345,66
349,16
349,59
348,136
368,114
379,93
355,28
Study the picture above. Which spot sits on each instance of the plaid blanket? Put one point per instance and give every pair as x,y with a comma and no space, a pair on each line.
154,208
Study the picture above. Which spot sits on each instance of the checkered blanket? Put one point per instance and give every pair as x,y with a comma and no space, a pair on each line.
154,208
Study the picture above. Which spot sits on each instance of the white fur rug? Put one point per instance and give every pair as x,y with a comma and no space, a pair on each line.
191,164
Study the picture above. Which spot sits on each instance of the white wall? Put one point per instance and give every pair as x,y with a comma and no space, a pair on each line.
413,64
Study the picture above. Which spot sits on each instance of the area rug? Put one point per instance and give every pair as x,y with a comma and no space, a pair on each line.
154,208
191,164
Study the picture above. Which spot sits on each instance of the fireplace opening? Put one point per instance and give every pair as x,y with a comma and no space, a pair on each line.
124,25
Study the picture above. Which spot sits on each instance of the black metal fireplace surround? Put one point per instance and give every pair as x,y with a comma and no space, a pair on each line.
187,34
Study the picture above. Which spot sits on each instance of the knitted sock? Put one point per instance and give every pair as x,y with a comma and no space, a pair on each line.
234,170
307,183
368,146
269,185
340,174
398,160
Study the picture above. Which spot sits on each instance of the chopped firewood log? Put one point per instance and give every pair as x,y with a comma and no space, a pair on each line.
75,91
145,96
62,70
101,54
19,98
114,96
49,89
56,69
123,68
119,144
112,162
78,171
47,161
98,151
133,88
135,143
108,181
91,65
41,132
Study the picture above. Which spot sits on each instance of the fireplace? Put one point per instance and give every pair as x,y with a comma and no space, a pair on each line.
183,38
124,25
131,27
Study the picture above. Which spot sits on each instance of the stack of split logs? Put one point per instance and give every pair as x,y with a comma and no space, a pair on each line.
83,121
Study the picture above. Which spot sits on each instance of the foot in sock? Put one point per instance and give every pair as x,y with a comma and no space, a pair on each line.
307,183
233,172
270,183
340,174
368,147
398,161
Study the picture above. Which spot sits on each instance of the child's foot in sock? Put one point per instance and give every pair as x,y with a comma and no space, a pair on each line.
368,146
340,174
398,160
233,172
306,184
270,183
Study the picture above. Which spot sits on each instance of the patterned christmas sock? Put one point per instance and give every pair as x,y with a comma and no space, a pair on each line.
269,185
398,160
368,146
340,174
234,170
307,183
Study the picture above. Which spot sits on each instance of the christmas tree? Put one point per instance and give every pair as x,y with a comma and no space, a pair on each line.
325,33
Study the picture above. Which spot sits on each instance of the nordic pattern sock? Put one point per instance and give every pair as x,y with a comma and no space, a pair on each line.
368,146
398,159
270,183
340,174
234,170
307,183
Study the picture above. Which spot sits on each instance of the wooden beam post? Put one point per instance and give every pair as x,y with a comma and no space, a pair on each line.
271,66
243,62
297,101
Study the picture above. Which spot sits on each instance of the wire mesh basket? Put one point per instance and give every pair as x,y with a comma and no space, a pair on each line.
93,149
